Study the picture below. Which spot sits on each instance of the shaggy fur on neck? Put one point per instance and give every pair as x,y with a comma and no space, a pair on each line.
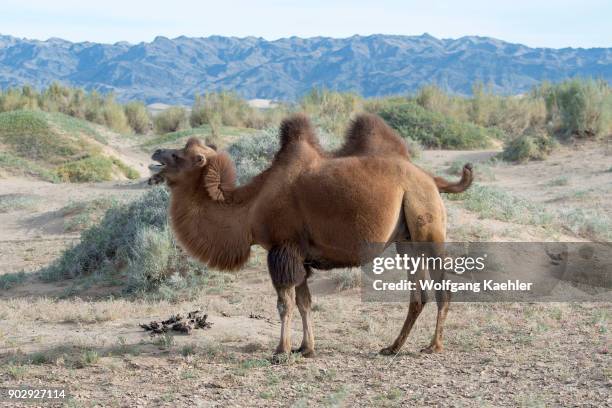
214,232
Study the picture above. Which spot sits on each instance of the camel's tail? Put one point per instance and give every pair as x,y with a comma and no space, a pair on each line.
445,186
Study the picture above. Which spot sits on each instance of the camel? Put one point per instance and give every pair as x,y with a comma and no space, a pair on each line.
310,209
370,135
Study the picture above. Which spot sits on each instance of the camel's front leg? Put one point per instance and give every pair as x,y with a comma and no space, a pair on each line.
285,304
286,268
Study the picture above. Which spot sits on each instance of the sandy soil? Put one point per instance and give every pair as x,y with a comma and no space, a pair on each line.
496,354
578,176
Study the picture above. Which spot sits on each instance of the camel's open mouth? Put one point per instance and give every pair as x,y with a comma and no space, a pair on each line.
156,168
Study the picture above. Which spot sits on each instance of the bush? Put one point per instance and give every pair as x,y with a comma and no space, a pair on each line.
530,146
93,169
331,110
579,108
224,108
132,241
516,114
114,117
414,147
29,135
17,165
137,117
434,99
170,120
93,107
228,109
252,154
490,202
347,278
433,129
592,224
55,147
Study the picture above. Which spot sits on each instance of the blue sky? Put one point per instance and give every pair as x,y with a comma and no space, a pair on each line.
557,24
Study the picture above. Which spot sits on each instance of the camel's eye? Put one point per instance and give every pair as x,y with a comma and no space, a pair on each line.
174,156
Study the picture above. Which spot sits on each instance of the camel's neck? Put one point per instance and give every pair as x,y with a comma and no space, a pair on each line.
216,233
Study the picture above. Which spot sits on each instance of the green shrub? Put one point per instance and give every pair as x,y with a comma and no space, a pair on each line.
93,169
137,117
55,147
82,214
106,248
531,146
414,147
482,104
348,278
580,108
16,202
224,108
433,129
591,224
29,135
114,118
330,110
228,109
157,262
490,202
515,115
14,99
127,171
170,120
252,154
19,166
132,241
8,280
434,99
88,358
92,106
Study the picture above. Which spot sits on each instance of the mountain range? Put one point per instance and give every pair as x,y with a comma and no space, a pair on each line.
173,70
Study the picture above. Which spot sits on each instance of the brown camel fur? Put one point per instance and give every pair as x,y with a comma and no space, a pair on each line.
308,210
370,135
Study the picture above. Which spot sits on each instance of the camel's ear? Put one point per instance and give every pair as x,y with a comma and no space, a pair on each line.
200,160
193,141
220,178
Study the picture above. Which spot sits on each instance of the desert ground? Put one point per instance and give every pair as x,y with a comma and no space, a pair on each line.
85,337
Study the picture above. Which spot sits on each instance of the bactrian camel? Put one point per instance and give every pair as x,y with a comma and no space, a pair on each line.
311,209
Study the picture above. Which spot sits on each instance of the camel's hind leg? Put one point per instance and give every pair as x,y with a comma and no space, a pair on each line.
304,302
443,300
427,226
418,299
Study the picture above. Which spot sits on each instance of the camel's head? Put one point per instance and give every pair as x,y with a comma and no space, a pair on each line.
176,164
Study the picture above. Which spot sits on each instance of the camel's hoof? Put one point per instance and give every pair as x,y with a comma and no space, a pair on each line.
432,349
388,351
